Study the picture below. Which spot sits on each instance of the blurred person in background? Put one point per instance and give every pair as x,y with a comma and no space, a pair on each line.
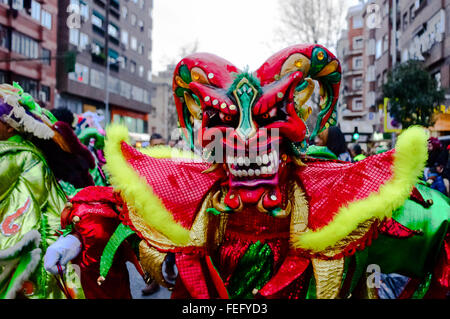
334,140
357,153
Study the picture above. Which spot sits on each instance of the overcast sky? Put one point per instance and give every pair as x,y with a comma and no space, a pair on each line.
241,31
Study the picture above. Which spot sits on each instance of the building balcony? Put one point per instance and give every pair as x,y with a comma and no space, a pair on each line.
353,93
353,72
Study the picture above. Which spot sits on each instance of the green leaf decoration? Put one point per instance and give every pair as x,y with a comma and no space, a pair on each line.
253,271
180,91
185,74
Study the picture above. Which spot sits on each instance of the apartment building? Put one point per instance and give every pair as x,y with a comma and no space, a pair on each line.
114,35
28,46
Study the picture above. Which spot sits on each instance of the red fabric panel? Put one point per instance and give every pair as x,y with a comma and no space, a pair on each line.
292,268
192,272
179,184
331,185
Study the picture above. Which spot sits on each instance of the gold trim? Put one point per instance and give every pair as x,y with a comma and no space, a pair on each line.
151,261
328,276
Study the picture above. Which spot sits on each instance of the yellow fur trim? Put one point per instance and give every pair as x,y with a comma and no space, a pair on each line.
135,190
409,160
162,151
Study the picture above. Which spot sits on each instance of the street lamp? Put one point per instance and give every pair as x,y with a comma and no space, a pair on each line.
108,67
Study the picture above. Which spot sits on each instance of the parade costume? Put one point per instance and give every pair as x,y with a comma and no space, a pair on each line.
31,200
257,218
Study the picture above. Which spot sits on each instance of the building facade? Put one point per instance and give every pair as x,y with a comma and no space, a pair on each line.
28,46
114,35
392,32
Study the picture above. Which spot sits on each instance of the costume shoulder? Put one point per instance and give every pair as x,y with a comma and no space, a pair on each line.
344,195
16,156
164,193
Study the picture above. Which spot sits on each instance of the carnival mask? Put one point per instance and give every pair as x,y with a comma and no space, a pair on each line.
253,124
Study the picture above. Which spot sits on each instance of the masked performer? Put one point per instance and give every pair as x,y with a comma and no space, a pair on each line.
259,218
32,144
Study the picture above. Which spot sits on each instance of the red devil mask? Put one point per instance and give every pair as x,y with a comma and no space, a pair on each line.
254,123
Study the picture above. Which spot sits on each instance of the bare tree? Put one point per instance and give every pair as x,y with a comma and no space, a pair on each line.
311,21
315,22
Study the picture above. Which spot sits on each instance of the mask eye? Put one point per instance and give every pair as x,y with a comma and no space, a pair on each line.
226,118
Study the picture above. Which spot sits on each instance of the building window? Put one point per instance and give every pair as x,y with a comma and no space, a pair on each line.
4,37
97,22
142,4
141,48
141,25
133,19
46,56
97,79
84,10
125,89
358,43
357,105
124,38
124,12
24,45
124,62
141,71
17,4
379,49
357,63
132,67
81,74
84,41
385,43
44,93
74,36
36,10
149,75
133,43
357,83
46,19
437,77
357,22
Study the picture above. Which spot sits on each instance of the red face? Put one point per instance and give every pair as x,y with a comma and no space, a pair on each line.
252,123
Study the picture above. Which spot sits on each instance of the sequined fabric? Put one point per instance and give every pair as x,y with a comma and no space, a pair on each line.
179,184
331,185
246,228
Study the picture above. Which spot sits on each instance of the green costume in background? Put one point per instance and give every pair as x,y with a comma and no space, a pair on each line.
30,205
31,200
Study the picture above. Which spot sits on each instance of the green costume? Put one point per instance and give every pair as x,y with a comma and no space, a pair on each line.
30,205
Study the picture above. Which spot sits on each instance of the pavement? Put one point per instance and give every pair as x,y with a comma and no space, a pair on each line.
137,284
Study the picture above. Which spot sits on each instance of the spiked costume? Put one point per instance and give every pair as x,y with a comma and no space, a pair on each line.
258,217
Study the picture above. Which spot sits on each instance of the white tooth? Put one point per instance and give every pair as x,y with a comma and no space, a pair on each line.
258,160
240,160
264,169
257,172
265,159
270,169
247,161
239,173
244,173
271,157
251,172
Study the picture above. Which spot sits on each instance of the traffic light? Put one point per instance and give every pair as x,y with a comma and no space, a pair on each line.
355,135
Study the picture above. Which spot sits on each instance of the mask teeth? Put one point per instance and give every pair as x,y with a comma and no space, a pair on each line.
266,164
